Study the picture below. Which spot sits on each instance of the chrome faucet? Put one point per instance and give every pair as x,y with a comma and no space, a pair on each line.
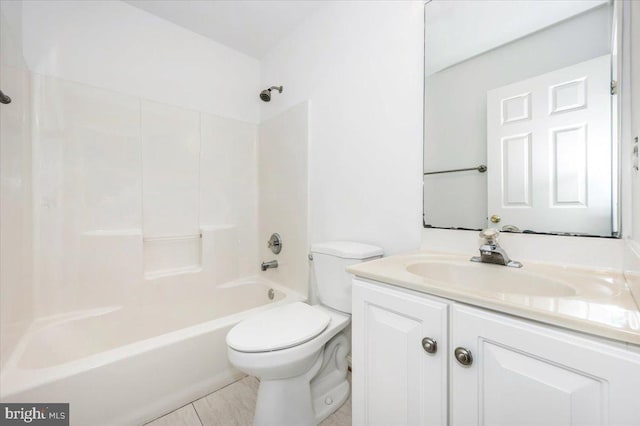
269,265
491,252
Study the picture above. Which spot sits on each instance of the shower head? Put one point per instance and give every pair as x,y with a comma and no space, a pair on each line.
4,99
265,95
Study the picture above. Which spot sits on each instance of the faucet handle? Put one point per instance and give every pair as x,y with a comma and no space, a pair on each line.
490,235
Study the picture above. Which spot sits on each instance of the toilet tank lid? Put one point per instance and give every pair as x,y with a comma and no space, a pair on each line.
347,249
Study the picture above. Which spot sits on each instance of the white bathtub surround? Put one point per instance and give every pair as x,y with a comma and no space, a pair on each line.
145,207
172,255
215,256
284,194
229,193
112,117
178,177
118,366
16,290
16,219
107,256
170,170
130,181
86,192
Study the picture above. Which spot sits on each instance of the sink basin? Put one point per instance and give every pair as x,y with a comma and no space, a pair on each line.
532,281
590,300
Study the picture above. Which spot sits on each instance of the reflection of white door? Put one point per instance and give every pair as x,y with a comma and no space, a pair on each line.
549,150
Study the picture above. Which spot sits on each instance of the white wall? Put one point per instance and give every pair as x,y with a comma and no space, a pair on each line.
113,45
16,285
455,110
361,66
632,253
284,195
635,113
11,42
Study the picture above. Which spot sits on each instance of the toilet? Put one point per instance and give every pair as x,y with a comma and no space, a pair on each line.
299,351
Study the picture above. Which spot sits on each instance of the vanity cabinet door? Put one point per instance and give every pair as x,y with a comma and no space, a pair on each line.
525,374
397,381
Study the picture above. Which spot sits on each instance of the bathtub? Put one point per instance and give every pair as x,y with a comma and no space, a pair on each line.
127,365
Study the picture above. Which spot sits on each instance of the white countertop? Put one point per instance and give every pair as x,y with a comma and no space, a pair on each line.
592,301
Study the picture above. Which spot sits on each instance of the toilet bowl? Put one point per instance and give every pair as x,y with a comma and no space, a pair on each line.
285,396
299,351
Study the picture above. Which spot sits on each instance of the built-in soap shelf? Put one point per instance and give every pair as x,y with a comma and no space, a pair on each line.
212,251
127,232
172,255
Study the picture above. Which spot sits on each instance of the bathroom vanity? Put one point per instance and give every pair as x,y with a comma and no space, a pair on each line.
440,340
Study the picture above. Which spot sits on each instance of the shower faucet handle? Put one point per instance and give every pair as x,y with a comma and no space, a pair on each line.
275,243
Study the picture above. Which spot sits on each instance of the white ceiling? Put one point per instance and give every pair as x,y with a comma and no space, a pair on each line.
249,26
459,30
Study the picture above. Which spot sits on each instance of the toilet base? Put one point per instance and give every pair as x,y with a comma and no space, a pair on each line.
307,399
330,388
286,401
326,404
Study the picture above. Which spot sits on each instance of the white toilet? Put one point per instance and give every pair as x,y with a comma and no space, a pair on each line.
299,351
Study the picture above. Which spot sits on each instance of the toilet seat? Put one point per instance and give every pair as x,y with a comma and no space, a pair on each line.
279,328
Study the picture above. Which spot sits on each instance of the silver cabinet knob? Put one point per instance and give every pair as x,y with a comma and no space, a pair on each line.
429,345
463,356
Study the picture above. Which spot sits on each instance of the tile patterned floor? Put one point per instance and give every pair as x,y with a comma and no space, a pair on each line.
233,405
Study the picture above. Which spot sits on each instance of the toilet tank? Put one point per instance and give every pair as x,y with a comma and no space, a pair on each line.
330,260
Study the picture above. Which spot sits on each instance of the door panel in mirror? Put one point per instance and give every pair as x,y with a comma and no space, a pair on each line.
549,170
457,114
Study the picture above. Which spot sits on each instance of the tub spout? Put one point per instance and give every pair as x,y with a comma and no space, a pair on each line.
269,265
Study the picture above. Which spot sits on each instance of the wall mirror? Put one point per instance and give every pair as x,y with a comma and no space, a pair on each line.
521,116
